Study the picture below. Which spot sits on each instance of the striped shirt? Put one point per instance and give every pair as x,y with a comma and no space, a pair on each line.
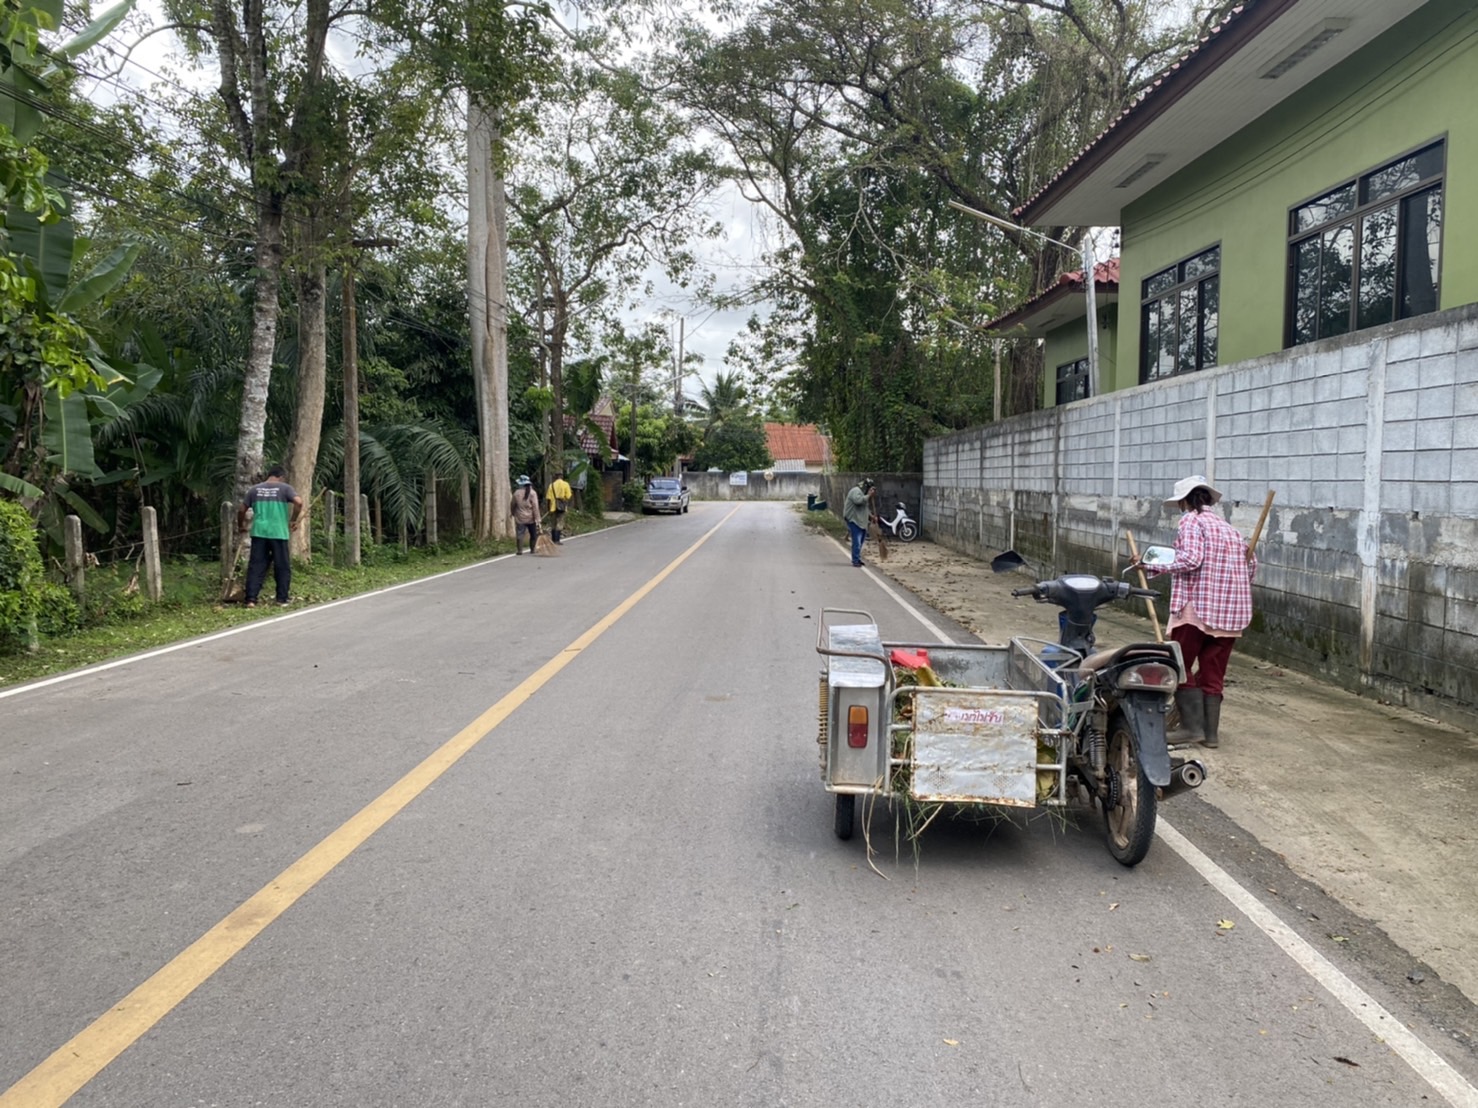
1212,573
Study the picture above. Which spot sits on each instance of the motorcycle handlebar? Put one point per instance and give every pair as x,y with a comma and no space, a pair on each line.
1151,593
1025,592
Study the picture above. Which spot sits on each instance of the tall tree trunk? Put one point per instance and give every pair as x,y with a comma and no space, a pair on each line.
302,453
557,377
487,309
352,521
257,377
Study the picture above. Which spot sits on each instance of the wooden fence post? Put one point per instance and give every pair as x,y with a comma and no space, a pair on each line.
364,518
228,542
153,572
76,556
431,520
330,521
464,493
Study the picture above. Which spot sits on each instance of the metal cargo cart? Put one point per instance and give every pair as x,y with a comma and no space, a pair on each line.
995,731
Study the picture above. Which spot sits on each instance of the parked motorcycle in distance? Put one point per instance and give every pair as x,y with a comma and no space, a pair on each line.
902,526
1119,698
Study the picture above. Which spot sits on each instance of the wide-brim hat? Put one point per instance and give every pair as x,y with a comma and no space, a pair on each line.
522,481
1184,486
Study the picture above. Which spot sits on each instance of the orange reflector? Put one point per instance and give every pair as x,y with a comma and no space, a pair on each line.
857,726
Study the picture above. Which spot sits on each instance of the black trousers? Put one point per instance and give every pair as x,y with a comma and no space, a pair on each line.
262,552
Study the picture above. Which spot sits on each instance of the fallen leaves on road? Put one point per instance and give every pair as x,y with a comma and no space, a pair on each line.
1225,924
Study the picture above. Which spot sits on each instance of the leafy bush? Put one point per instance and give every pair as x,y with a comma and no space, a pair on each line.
631,495
22,576
58,614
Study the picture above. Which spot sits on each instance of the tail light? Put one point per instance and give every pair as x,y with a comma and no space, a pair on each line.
857,726
1155,676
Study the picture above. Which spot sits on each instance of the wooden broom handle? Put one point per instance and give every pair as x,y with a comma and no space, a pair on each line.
1148,603
1257,531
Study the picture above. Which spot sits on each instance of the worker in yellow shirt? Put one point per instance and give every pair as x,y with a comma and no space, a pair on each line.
559,500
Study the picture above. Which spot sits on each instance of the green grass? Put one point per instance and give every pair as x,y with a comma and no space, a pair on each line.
120,621
827,523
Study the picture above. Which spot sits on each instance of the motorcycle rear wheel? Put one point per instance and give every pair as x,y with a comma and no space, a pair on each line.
1129,825
908,530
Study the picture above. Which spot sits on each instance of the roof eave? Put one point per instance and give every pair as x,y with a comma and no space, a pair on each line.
1223,43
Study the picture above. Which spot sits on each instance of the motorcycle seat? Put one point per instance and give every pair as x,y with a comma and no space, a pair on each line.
1102,659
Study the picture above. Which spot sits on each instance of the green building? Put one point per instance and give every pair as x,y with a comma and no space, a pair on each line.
1309,171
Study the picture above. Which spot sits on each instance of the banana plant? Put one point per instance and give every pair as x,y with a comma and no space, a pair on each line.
57,382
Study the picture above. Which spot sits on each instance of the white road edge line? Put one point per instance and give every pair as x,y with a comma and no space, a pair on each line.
217,635
1427,1063
1418,1055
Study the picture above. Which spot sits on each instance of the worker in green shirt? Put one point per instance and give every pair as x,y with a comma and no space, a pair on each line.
275,508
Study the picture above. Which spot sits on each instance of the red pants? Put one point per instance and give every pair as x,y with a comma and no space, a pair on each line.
1206,654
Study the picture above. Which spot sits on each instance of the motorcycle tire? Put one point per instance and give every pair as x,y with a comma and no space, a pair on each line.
845,815
908,530
1129,813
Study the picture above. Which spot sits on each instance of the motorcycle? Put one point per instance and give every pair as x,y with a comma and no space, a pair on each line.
1118,700
902,526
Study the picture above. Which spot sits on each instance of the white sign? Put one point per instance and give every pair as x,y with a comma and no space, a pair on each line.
739,478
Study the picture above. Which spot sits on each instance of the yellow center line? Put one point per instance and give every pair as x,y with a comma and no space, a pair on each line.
83,1057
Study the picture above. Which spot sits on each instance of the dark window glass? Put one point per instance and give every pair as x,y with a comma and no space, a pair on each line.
1200,265
1378,268
1328,207
1072,381
1403,175
1159,283
1421,231
1336,268
1186,347
1210,318
1306,291
1368,265
1169,325
1178,317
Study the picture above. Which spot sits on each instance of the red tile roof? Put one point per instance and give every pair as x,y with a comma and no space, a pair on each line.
790,442
1105,280
588,442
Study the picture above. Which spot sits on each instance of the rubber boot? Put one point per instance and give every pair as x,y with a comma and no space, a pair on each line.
1192,705
556,538
1213,721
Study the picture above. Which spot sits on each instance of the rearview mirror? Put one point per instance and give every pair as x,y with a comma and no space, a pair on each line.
1157,556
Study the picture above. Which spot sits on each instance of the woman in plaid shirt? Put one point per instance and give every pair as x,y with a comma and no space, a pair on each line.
1210,605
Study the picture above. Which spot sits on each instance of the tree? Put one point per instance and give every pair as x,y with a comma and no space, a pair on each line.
62,375
271,61
852,125
618,191
497,54
734,446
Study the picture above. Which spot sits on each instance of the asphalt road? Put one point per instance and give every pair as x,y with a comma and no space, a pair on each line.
545,832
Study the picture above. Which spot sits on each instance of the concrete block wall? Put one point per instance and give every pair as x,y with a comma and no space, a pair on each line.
1369,557
781,485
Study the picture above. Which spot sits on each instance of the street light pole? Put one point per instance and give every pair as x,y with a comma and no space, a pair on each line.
1085,255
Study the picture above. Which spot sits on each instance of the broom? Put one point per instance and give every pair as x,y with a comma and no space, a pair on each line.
882,546
544,545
